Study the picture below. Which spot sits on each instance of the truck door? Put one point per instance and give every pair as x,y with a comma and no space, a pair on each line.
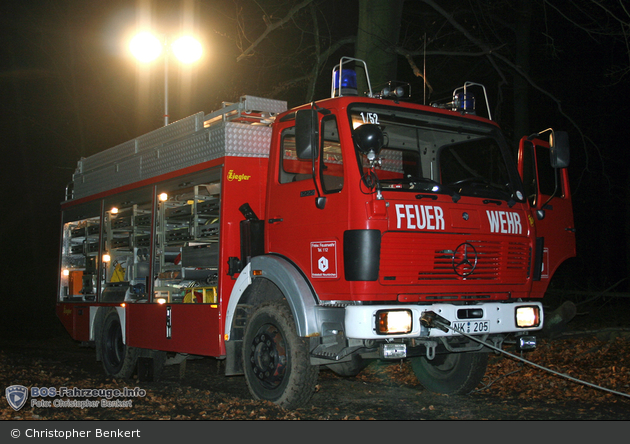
549,196
307,204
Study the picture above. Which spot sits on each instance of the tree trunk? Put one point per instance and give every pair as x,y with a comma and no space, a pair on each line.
379,27
523,43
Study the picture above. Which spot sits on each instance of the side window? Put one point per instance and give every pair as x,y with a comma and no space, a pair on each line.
538,175
292,169
332,159
530,181
546,174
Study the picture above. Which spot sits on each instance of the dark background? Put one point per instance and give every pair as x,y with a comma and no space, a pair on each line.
70,89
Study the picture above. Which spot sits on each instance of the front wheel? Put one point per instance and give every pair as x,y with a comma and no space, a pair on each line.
451,374
119,360
276,359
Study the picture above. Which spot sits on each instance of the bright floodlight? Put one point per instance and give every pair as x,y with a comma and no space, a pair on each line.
187,49
145,47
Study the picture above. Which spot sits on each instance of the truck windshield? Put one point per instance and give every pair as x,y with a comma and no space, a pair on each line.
433,153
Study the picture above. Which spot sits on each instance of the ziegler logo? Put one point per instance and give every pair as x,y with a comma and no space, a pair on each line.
238,177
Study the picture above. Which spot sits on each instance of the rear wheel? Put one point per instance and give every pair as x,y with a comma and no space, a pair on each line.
453,373
276,359
119,360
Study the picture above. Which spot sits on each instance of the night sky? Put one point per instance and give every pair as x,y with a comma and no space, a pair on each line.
70,89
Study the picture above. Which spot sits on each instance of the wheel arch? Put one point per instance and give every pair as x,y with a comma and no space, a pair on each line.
290,282
276,278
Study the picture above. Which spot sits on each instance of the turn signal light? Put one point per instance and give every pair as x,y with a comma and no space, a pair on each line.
391,322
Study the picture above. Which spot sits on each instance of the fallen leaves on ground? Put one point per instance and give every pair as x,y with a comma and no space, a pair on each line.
602,360
601,363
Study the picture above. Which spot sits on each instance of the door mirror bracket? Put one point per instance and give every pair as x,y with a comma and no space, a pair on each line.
558,147
320,202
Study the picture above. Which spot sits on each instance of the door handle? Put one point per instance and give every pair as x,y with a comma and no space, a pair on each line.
276,220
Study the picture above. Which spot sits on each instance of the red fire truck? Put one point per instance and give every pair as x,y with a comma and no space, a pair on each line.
355,228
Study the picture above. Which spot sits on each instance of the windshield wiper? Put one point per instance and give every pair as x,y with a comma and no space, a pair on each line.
423,184
481,183
470,181
436,187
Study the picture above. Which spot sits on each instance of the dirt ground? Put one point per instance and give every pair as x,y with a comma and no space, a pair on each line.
383,391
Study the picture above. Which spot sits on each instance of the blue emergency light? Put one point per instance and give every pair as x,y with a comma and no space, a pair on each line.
344,80
464,102
348,84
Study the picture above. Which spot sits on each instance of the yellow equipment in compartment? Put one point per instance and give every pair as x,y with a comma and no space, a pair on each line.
198,295
118,274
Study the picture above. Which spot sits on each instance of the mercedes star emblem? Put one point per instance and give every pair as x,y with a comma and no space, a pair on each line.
464,259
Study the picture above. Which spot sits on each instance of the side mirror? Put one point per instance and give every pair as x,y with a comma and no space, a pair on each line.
369,140
559,149
306,134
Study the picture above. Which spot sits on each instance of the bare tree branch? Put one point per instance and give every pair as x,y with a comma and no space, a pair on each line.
516,68
409,55
322,61
311,89
414,68
574,23
404,52
271,27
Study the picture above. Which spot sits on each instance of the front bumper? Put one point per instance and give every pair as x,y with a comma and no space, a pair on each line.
360,320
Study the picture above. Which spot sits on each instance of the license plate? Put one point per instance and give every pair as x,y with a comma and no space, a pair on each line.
472,327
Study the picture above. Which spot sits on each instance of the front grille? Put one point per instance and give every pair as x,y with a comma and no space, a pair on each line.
419,259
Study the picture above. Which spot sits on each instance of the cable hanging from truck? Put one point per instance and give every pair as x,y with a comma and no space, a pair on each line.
436,321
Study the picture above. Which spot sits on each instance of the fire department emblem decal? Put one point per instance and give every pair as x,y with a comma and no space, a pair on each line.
464,259
324,259
16,396
322,264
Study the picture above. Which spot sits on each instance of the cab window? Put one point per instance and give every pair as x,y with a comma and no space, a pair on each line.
293,169
330,164
331,167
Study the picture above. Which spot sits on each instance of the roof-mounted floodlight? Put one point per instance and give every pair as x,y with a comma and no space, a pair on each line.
395,90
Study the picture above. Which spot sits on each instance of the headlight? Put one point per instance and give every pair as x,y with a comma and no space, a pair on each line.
528,316
390,322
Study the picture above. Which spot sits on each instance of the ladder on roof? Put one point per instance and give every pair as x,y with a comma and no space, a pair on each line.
136,159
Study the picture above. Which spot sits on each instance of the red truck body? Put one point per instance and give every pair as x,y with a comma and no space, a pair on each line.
283,241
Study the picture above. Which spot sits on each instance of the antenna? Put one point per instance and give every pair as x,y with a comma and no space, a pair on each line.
424,69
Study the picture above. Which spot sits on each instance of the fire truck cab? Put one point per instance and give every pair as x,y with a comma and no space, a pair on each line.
354,228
